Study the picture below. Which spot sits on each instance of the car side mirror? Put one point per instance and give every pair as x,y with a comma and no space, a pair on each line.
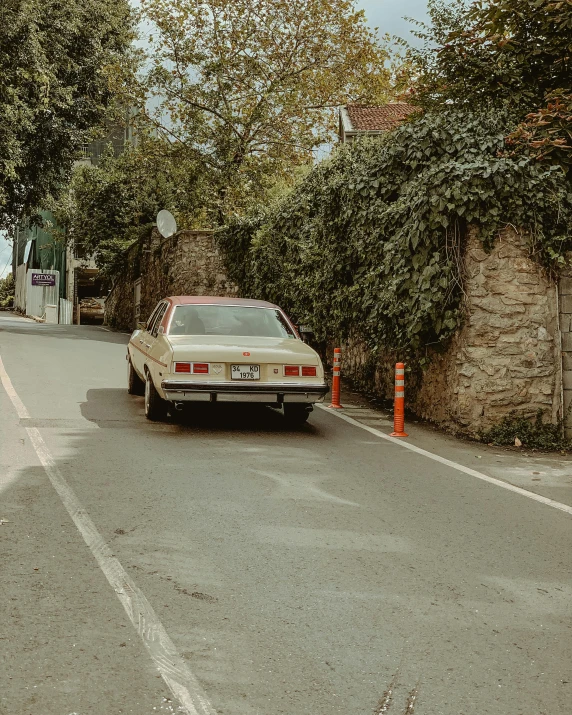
306,332
141,326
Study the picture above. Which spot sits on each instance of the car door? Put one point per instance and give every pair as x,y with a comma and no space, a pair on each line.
141,342
152,335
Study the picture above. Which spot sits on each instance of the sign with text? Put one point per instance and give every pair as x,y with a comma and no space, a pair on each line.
43,279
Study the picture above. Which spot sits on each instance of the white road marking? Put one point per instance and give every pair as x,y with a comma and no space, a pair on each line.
173,669
19,406
449,463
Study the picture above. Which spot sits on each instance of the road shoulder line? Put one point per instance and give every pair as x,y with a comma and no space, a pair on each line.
179,679
450,463
19,406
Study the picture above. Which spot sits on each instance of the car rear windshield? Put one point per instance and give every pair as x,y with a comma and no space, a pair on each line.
229,320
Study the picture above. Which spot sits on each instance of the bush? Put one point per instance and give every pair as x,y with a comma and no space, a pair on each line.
7,291
534,434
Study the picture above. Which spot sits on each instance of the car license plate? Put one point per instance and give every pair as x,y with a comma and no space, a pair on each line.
245,372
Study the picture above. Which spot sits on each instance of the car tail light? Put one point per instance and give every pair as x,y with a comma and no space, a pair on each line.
182,367
201,368
291,370
308,372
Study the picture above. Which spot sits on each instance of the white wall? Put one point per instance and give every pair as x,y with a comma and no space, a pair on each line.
37,297
21,285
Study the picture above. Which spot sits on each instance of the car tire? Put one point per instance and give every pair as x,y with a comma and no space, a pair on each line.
135,385
296,414
155,405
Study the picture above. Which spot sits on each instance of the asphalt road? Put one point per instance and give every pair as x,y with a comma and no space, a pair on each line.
293,572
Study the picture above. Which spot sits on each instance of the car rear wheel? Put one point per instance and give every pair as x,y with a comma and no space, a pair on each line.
135,385
297,414
155,406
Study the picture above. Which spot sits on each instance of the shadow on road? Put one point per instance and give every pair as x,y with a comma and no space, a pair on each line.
238,418
111,408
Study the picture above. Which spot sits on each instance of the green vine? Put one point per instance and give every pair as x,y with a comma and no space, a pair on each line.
370,242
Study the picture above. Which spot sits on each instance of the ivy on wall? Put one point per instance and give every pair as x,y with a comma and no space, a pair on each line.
370,242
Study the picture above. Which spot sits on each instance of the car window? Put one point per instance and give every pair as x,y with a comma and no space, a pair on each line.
154,329
236,320
151,319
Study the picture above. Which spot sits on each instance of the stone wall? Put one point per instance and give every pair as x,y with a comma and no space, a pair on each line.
187,263
505,357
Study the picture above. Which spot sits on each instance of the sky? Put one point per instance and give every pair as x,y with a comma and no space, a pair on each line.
386,14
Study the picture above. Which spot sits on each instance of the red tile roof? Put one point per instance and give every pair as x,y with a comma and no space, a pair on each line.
381,118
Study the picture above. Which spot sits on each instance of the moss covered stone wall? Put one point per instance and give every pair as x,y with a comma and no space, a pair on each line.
506,355
187,263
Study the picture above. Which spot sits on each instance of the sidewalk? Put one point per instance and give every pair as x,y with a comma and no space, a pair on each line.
547,474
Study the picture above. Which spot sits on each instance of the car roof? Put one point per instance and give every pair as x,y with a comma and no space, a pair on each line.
218,300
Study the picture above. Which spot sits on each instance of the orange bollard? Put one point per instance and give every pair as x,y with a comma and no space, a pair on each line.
399,404
336,380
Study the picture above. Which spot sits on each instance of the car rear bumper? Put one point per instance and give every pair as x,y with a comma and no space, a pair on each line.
268,393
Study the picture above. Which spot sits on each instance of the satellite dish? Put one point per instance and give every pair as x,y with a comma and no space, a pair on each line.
166,223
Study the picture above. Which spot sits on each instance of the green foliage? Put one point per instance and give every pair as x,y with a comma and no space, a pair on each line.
250,87
370,241
7,288
546,134
534,434
53,90
109,206
494,51
502,53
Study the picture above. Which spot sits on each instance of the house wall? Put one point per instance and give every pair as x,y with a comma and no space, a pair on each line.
187,263
506,356
38,297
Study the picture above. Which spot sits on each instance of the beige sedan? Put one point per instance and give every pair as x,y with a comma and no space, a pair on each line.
203,349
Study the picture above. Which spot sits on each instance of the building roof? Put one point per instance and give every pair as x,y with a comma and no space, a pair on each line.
218,300
379,119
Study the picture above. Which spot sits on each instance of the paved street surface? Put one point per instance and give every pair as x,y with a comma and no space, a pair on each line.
295,572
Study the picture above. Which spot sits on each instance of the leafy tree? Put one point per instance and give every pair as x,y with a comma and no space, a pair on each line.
248,86
7,288
109,206
514,54
495,52
53,90
546,133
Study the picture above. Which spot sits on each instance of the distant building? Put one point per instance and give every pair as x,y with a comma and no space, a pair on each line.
358,120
